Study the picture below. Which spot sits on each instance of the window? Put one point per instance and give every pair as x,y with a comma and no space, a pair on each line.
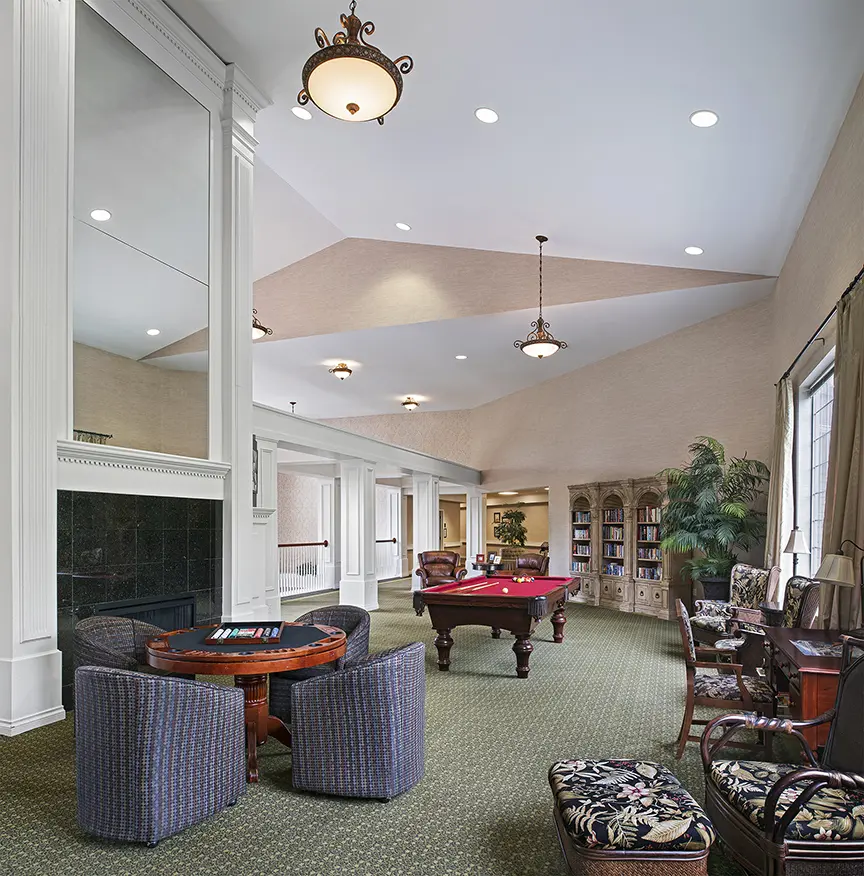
821,404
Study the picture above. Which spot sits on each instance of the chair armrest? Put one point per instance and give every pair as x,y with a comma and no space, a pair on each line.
423,575
88,653
751,721
748,615
719,605
705,650
818,779
460,574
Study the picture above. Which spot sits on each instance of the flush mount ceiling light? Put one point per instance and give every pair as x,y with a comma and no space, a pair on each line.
540,344
693,250
508,493
409,404
100,215
153,332
301,113
461,357
351,79
484,114
258,328
403,226
704,118
341,371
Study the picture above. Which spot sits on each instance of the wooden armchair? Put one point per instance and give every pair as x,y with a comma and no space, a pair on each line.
795,819
732,690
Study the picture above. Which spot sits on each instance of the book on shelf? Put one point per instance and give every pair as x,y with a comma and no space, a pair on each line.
613,533
582,550
615,569
649,573
613,515
580,567
613,549
582,535
652,553
648,514
581,516
648,532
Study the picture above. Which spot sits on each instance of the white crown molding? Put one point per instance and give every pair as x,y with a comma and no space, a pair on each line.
140,460
263,513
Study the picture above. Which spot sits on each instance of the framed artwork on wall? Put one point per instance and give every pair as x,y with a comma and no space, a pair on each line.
496,517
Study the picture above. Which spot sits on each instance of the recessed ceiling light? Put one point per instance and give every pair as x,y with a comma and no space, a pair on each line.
461,357
403,226
508,493
484,114
100,215
301,113
693,250
704,118
153,332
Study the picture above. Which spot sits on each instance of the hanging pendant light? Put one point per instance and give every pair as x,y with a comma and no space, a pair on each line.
341,371
540,344
409,404
351,79
258,328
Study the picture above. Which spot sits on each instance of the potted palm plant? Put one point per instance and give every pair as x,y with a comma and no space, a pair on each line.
512,532
710,512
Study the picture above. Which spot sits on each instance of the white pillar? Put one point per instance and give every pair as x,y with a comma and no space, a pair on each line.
475,524
427,533
244,595
358,584
265,520
329,526
404,534
36,47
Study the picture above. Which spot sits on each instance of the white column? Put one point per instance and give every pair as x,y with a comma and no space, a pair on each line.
403,534
427,534
358,584
475,524
265,521
329,514
244,594
36,48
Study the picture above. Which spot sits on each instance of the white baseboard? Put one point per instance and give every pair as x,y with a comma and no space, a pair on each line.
31,722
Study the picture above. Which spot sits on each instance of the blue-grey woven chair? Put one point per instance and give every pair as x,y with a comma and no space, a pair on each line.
154,755
354,621
117,642
358,732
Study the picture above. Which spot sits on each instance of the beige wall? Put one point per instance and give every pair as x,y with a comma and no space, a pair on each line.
298,508
829,248
536,522
451,518
142,406
444,434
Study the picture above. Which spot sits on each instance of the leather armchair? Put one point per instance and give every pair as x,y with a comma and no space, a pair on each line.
439,567
532,565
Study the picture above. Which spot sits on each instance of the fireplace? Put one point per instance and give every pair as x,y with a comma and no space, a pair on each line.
168,612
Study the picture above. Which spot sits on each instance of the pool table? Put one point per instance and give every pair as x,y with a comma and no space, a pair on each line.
500,603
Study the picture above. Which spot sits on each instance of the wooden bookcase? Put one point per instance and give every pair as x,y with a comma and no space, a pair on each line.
616,529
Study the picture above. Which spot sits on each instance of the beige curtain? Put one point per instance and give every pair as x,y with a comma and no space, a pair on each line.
780,499
844,502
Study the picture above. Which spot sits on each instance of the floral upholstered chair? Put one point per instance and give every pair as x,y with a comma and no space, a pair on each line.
795,819
748,588
732,690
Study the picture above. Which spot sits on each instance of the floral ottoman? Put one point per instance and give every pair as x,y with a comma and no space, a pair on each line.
628,818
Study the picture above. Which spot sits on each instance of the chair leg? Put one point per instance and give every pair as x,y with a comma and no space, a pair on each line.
685,727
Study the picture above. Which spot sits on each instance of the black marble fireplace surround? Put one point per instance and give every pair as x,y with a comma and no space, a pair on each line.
113,547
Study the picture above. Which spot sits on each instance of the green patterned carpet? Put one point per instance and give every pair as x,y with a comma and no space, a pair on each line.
614,688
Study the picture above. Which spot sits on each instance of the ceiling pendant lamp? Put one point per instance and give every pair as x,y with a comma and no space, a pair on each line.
409,404
341,371
258,328
351,79
540,344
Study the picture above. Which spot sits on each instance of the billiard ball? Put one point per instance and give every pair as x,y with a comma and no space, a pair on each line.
505,590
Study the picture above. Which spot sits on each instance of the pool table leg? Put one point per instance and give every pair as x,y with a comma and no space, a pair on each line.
443,642
558,621
523,648
496,632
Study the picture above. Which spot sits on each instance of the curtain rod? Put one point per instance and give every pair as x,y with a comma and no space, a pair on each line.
806,347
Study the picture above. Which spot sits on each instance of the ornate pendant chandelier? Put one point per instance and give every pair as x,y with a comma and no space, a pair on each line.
540,344
341,371
410,405
259,330
351,79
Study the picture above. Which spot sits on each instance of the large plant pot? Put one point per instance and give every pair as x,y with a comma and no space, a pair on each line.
715,588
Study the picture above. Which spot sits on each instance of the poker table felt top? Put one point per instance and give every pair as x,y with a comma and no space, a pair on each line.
293,636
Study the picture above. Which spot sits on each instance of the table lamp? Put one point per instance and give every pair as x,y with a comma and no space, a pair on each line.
839,569
797,544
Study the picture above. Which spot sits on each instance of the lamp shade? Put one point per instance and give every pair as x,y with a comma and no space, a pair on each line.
836,569
797,544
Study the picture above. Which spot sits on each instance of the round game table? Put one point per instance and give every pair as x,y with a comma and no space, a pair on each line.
301,645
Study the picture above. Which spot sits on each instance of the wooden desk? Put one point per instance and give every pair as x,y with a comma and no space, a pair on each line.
811,682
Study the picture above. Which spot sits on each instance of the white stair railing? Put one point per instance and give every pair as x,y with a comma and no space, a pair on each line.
301,568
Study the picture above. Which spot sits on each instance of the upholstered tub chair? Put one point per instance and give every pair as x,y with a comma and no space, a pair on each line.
748,587
354,622
794,819
439,567
114,642
731,690
154,755
359,732
532,564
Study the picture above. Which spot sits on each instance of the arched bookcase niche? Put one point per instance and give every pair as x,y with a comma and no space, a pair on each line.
616,529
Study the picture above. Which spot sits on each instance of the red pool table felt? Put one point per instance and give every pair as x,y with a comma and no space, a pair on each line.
537,587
